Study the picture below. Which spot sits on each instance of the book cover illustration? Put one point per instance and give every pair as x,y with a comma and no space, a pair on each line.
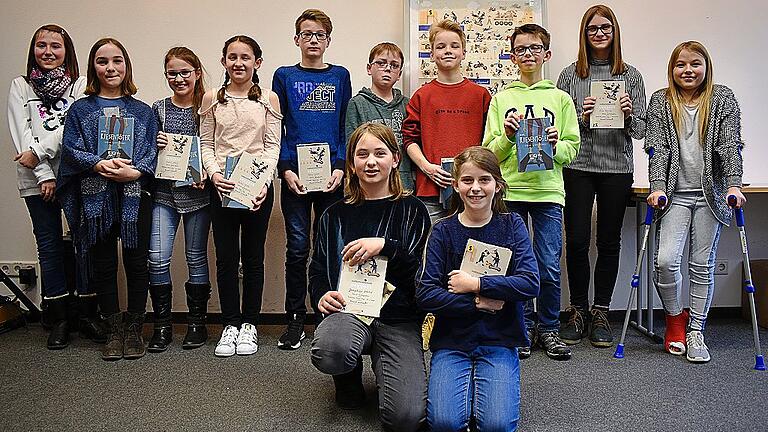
607,113
229,167
483,259
195,166
115,137
250,175
445,193
534,152
314,165
363,285
173,159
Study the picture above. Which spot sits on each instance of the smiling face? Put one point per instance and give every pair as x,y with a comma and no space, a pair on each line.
312,49
689,70
182,87
388,76
600,41
476,187
529,62
240,62
49,50
447,52
109,63
374,162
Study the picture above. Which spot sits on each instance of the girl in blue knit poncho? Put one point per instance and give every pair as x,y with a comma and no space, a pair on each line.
104,199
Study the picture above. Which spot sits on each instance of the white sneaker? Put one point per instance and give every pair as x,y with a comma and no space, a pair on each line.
226,345
697,349
247,340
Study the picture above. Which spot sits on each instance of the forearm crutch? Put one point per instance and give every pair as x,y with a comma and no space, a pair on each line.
636,275
749,287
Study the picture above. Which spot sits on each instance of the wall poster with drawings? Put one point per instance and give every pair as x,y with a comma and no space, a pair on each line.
487,24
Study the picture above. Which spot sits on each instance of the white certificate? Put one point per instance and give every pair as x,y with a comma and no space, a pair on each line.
250,175
483,259
314,166
363,286
173,159
607,113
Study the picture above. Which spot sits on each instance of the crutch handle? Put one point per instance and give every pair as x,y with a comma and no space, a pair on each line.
649,211
737,212
650,151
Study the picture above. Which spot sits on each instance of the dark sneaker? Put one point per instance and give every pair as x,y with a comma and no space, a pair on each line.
600,334
556,349
294,333
572,331
525,352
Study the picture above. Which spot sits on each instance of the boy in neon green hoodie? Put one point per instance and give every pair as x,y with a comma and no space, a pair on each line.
540,194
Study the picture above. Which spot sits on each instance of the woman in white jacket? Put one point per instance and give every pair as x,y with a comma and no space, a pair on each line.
37,106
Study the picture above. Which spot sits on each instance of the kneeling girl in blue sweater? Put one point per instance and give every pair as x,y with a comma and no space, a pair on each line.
479,320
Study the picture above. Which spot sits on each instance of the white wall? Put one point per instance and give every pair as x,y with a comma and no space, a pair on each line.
650,30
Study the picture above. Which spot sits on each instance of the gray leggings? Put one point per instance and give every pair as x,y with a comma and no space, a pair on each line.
688,216
398,363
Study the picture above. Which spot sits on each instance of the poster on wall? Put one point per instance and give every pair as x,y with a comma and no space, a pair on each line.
488,26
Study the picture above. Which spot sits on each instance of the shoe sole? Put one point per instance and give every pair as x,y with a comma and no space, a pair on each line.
111,358
246,352
224,354
571,341
698,359
284,346
189,346
559,357
157,349
133,356
523,356
598,344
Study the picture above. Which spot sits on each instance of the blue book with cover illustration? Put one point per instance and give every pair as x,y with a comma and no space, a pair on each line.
195,167
534,152
229,167
115,137
445,193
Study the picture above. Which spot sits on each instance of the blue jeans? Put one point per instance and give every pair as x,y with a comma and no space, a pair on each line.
688,215
165,222
297,213
51,249
547,219
484,383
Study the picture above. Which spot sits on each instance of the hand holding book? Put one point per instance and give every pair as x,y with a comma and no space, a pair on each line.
360,250
461,282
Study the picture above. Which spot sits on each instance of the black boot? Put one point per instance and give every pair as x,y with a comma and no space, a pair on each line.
133,344
161,304
350,393
57,317
197,302
92,325
113,348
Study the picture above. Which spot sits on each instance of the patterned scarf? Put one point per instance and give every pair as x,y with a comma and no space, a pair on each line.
105,203
50,85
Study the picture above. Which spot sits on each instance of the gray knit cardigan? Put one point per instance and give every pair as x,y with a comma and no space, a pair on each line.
722,149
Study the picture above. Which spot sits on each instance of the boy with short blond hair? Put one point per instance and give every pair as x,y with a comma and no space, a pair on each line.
445,116
382,103
313,100
540,194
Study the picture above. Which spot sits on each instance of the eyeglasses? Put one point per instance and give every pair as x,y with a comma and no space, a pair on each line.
605,28
382,65
307,35
171,75
534,49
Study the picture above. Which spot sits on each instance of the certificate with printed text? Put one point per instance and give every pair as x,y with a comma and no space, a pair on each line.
173,159
363,285
250,176
314,165
483,259
607,113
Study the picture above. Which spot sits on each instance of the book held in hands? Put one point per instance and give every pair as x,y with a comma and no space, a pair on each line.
173,159
607,113
534,151
250,175
226,201
314,166
446,192
483,259
362,286
195,166
115,136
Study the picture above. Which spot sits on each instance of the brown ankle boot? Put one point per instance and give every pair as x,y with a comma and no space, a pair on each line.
113,348
133,346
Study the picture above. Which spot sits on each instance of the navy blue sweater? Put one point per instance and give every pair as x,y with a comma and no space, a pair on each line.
314,104
459,325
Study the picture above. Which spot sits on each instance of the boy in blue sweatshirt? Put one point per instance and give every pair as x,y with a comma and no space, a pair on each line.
313,97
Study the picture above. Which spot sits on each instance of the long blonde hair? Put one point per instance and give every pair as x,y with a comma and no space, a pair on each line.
703,93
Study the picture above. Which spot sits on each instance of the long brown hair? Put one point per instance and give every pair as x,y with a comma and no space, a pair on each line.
585,54
353,192
703,93
127,87
484,159
70,56
187,55
255,92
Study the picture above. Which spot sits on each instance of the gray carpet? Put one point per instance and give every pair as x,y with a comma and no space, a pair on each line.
274,390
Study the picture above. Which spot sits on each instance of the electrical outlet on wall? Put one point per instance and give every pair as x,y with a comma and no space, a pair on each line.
721,267
12,269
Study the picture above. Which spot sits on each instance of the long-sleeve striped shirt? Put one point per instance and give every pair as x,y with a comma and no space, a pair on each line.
606,150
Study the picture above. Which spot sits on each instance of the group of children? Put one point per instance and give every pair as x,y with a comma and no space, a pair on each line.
382,146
